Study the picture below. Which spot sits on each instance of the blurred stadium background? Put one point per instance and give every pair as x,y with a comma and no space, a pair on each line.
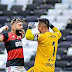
59,13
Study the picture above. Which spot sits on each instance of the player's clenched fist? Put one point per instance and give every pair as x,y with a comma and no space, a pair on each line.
4,28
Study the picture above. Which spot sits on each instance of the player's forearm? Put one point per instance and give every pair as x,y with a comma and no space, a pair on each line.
4,28
29,35
54,28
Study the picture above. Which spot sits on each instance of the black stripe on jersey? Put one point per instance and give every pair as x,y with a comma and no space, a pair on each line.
6,36
15,62
13,44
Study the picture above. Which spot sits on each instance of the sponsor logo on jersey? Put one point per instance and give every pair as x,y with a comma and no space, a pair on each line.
53,36
49,64
13,36
19,43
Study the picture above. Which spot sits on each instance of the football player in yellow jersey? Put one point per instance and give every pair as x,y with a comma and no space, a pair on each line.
47,46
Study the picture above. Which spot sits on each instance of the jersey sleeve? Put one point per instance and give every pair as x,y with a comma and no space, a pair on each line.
37,37
29,35
55,30
5,36
59,34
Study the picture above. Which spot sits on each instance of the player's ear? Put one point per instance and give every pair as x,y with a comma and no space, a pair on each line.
41,27
13,26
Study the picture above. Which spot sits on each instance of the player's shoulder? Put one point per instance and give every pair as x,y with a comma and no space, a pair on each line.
44,34
40,34
58,33
5,36
5,33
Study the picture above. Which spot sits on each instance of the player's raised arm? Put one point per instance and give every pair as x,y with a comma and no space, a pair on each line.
55,30
2,29
29,35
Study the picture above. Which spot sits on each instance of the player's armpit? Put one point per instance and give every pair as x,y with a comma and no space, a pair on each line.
29,35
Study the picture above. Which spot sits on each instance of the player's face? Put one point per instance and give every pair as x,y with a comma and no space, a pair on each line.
19,26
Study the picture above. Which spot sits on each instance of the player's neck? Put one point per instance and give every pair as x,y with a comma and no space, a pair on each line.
46,30
13,31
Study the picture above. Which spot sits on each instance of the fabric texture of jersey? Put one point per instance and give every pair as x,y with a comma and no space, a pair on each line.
14,49
46,51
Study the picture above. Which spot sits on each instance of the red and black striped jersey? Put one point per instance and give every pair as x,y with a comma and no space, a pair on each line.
14,49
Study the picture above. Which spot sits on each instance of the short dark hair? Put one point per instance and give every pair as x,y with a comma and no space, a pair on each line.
45,21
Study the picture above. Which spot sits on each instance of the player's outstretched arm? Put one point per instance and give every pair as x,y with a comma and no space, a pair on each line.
4,28
29,35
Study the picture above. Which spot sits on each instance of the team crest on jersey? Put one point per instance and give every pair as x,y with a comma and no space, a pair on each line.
13,36
20,37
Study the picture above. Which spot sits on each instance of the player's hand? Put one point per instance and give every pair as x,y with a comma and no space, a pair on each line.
50,24
22,32
4,28
31,25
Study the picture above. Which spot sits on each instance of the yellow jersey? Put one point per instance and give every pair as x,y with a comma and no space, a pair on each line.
46,51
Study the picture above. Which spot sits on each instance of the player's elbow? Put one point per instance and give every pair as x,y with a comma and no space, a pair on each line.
27,37
61,34
30,37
